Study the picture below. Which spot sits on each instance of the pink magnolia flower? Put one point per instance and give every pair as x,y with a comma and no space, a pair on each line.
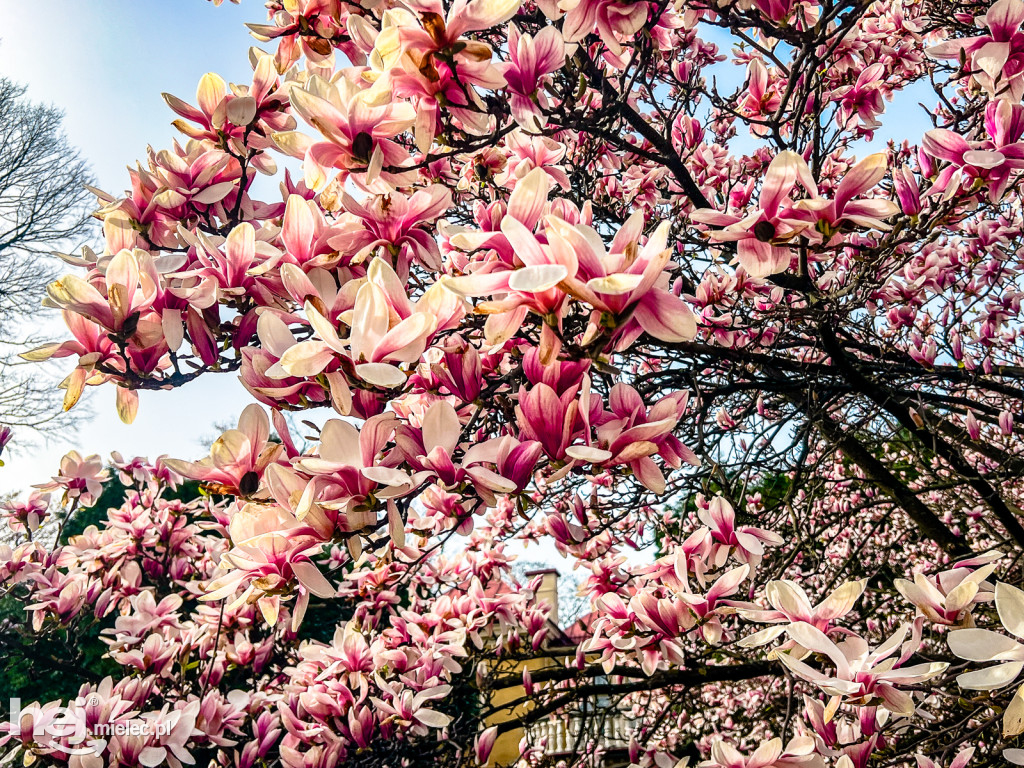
799,753
351,471
564,260
278,392
827,215
25,516
386,329
629,283
862,675
762,237
394,227
124,290
762,99
707,607
614,21
191,180
94,348
79,478
783,10
527,152
304,236
790,603
426,60
408,710
992,162
238,458
226,269
860,104
948,597
310,29
550,419
530,59
270,558
632,434
357,133
722,538
908,191
243,113
430,451
996,59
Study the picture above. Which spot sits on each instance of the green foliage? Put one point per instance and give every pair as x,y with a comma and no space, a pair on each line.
51,664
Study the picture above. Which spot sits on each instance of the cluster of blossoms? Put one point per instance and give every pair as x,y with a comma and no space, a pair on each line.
762,388
219,682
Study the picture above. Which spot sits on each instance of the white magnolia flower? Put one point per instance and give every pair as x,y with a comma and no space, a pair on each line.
986,645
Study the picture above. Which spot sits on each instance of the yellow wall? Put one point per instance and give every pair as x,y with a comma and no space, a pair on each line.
506,748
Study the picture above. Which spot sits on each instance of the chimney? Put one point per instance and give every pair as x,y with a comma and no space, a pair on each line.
547,592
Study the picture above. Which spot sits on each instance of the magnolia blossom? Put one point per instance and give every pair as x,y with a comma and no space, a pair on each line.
997,58
986,645
861,673
948,597
799,752
238,458
762,238
80,479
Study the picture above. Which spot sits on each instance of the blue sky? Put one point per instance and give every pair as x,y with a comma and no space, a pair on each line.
105,63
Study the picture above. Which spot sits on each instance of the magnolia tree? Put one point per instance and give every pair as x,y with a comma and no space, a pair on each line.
641,280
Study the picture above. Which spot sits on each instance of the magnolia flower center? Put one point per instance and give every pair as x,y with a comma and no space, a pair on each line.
249,483
764,231
362,146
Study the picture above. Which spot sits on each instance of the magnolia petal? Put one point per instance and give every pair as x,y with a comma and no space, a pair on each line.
269,607
214,193
984,645
307,358
441,427
537,279
323,329
763,637
381,375
490,480
862,177
961,596
840,601
478,284
813,639
310,577
499,328
616,284
41,354
386,476
127,401
241,110
396,525
588,453
432,718
527,201
341,393
1010,606
990,678
896,701
666,317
